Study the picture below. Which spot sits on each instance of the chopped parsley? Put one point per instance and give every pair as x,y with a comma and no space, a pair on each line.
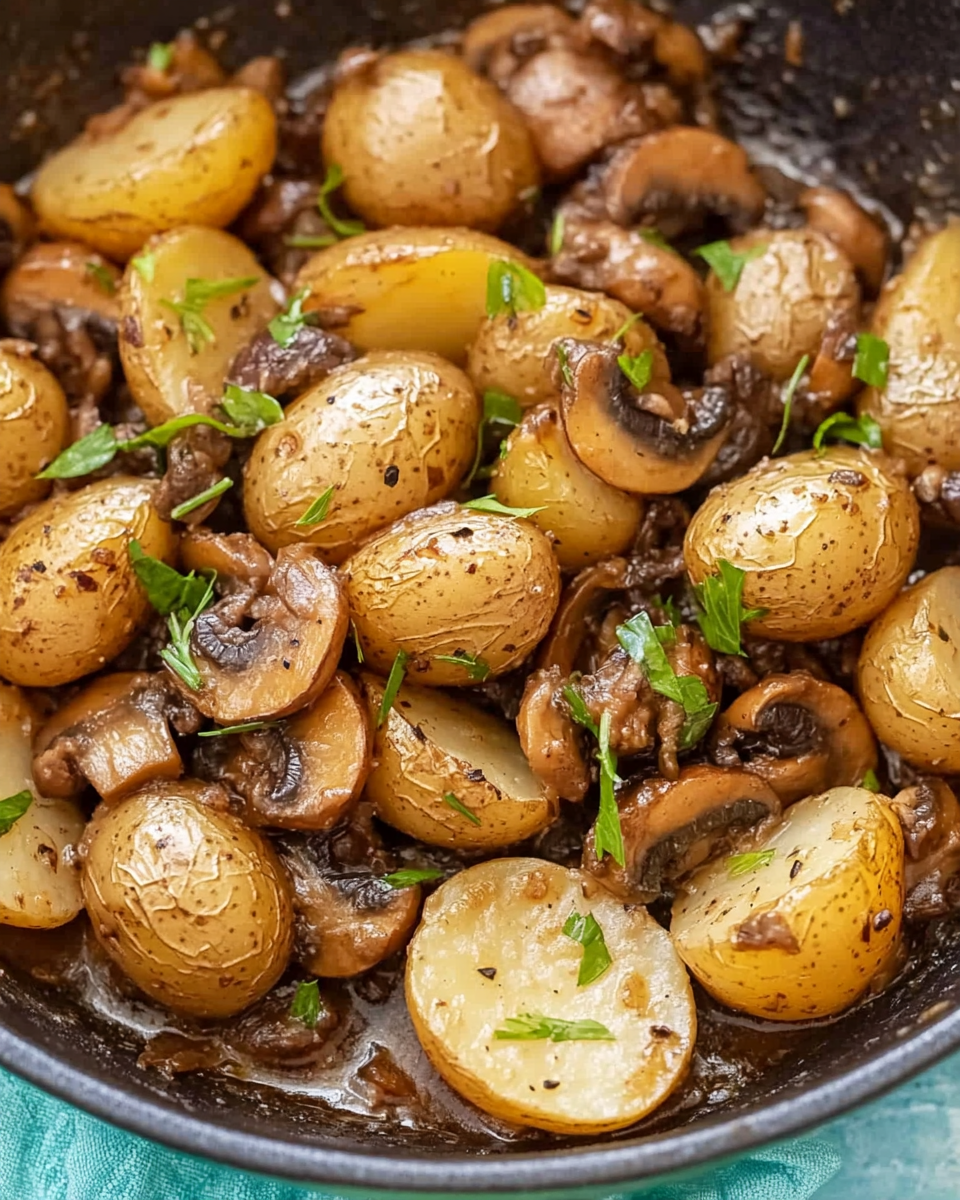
721,613
870,781
534,1027
201,498
555,241
743,864
475,667
341,228
607,833
498,409
102,277
490,504
197,294
12,809
651,234
318,510
249,727
512,288
586,931
307,1005
145,265
841,427
458,806
160,56
726,263
872,361
564,362
249,410
394,680
788,394
286,325
638,369
179,598
411,876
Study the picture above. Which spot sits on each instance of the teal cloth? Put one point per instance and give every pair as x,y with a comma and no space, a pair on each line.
905,1146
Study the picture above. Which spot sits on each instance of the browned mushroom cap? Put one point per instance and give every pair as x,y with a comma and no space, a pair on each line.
520,28
114,735
237,558
264,365
16,227
650,279
670,828
584,593
861,237
682,173
195,459
303,773
632,31
268,654
757,415
799,734
347,918
930,817
830,380
550,739
654,442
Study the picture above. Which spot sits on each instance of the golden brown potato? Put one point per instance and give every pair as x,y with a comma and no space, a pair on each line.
194,159
516,353
431,748
451,581
789,942
826,542
392,432
784,298
491,949
39,879
34,426
917,316
191,904
406,289
167,374
909,674
69,600
588,519
424,140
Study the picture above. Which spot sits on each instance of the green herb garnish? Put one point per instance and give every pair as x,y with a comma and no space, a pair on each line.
512,288
555,241
651,234
498,409
860,431
607,833
669,607
788,400
145,265
721,612
249,727
201,498
356,643
743,864
870,781
286,325
726,263
248,410
341,228
411,876
579,711
89,454
490,504
596,957
638,369
197,294
160,56
564,362
318,510
476,668
394,680
307,1005
102,277
179,598
534,1027
872,360
458,806
625,328
13,808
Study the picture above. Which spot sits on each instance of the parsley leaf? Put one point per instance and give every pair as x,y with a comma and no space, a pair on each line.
511,287
872,360
533,1027
160,56
89,454
579,711
197,294
201,498
250,411
411,876
721,612
788,393
639,369
318,510
555,240
498,409
861,431
607,832
870,781
727,264
307,1005
458,806
476,668
179,598
743,864
13,808
356,643
249,727
102,277
564,362
623,330
490,504
286,325
596,957
669,608
177,655
341,228
639,638
145,265
394,680
651,234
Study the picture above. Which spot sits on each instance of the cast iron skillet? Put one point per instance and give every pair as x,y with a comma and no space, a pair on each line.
886,67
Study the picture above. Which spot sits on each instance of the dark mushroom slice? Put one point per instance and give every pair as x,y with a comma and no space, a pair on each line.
675,176
303,773
801,735
115,735
650,279
861,237
757,416
348,918
669,828
515,31
651,442
582,597
238,559
930,818
265,366
550,739
268,654
195,462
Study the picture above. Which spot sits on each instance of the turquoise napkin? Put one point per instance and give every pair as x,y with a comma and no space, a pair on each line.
905,1146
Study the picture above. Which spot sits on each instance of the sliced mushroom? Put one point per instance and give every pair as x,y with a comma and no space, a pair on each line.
267,654
303,773
799,734
195,462
669,828
264,365
830,380
191,69
238,559
550,739
648,278
347,917
930,818
515,29
676,175
650,442
115,735
757,416
861,237
583,594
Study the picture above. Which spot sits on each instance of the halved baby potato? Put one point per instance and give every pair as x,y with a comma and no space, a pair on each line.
491,948
802,932
406,289
168,376
39,880
450,774
192,159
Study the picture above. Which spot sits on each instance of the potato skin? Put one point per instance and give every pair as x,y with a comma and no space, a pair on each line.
909,673
788,948
85,605
446,579
192,159
424,140
587,518
34,427
826,542
191,904
393,431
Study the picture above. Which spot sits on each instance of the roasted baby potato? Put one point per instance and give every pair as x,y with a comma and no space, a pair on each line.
191,904
194,159
491,951
450,581
826,542
587,519
406,289
909,673
789,942
69,600
392,432
450,774
34,426
39,879
171,370
424,140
